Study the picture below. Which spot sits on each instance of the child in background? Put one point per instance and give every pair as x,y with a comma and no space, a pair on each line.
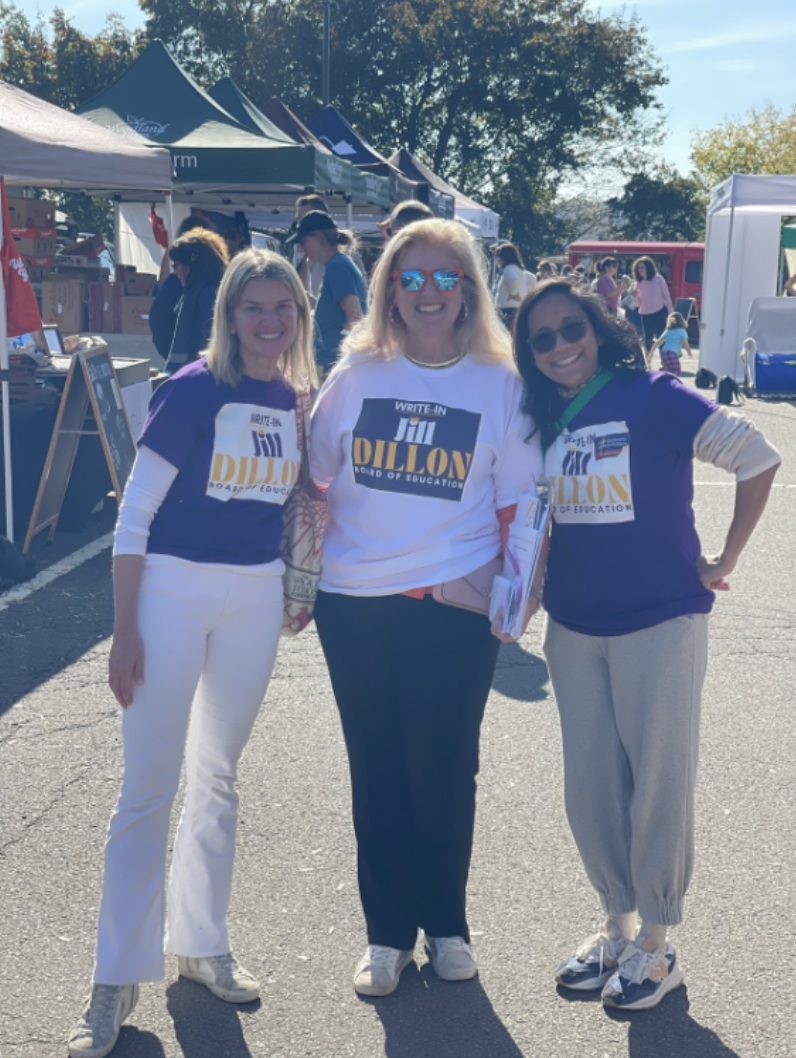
671,344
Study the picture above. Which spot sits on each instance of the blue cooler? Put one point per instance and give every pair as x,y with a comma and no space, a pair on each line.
775,373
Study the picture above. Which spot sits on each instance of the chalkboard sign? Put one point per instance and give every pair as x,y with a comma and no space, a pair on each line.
91,405
687,307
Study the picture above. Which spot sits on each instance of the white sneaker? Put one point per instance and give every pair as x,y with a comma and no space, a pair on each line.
97,1030
594,961
643,978
379,970
222,974
452,958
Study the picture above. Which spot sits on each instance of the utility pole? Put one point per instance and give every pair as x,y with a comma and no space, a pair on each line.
325,77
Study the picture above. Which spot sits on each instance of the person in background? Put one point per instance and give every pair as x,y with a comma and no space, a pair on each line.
789,290
237,235
199,258
606,285
168,291
311,272
628,591
343,297
566,271
513,284
671,344
546,270
420,444
404,213
653,299
627,302
198,614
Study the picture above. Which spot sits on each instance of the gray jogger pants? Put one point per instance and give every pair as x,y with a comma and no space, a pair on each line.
630,709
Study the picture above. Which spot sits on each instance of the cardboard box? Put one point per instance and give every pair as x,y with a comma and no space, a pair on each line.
63,303
43,263
32,233
36,273
36,247
139,284
104,308
39,213
135,314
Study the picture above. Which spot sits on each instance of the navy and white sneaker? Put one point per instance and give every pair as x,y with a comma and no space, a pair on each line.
594,961
642,978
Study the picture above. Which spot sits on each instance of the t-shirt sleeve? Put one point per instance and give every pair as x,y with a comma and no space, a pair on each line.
342,279
173,423
677,413
325,457
519,462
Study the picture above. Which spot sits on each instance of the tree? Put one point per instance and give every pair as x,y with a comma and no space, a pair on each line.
762,142
504,99
660,205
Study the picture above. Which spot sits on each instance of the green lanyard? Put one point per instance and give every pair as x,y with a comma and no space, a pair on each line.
600,381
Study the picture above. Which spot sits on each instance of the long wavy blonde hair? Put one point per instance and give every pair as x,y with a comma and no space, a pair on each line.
297,365
479,332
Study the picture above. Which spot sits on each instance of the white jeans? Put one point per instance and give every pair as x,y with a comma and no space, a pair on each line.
210,636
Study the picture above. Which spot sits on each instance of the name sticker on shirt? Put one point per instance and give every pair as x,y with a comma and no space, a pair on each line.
255,454
589,472
414,447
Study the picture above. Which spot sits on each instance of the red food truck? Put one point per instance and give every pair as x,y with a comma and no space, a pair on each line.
680,263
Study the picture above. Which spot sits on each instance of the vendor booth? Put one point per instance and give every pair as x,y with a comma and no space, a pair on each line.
483,222
742,262
42,145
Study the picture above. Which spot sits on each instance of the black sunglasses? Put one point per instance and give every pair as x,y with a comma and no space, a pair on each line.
546,341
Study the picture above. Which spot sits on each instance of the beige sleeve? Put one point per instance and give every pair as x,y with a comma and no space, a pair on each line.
732,443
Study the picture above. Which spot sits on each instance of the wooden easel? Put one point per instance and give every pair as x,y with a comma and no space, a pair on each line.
91,386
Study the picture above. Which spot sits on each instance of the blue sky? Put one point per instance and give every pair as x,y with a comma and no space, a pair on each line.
722,56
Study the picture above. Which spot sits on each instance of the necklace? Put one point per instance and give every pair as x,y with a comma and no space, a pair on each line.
568,394
445,363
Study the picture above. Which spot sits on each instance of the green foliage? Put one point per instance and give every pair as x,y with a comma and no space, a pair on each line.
762,142
660,205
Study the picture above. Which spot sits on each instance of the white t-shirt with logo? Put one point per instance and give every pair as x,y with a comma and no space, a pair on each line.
416,462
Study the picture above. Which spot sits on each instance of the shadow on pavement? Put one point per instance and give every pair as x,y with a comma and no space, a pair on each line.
53,628
136,1044
433,1018
669,1031
521,675
207,1027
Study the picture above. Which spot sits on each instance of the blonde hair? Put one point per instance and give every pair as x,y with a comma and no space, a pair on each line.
297,365
479,333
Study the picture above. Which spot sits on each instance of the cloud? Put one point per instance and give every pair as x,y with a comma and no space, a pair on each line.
735,65
742,35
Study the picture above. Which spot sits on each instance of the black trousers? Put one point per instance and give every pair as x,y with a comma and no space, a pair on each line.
654,324
411,678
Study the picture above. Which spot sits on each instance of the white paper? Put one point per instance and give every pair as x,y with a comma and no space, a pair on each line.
511,590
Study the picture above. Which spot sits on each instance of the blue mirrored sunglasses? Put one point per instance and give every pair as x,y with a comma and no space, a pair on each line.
414,279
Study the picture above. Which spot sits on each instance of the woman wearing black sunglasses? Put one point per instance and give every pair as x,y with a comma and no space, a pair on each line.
628,592
420,442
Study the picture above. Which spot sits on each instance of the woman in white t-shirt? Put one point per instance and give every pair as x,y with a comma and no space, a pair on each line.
420,444
514,282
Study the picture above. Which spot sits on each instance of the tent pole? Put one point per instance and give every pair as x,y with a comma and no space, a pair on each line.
170,218
349,214
6,395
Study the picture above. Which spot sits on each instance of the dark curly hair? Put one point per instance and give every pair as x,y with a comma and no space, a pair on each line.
619,350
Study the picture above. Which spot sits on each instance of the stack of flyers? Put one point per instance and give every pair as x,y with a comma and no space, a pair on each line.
511,590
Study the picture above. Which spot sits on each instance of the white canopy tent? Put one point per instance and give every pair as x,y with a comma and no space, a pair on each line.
742,256
42,145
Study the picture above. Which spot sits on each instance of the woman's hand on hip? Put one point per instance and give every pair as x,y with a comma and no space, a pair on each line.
713,571
126,665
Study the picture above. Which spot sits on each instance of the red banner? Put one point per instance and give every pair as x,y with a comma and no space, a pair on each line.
21,307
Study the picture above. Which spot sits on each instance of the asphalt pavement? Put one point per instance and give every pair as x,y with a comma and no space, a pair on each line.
296,920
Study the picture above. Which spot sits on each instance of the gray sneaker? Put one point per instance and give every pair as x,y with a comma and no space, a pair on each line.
223,975
452,958
379,970
97,1031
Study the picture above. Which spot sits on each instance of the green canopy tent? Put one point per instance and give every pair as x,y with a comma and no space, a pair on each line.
217,161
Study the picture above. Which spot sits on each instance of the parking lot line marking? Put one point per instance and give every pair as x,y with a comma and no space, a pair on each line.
57,569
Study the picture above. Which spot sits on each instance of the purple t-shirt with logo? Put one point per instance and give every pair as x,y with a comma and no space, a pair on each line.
624,542
237,454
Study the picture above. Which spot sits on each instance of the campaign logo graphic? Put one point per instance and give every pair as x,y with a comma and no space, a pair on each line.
589,472
255,454
415,447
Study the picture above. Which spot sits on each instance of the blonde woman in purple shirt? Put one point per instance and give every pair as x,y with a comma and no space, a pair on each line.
198,612
653,299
